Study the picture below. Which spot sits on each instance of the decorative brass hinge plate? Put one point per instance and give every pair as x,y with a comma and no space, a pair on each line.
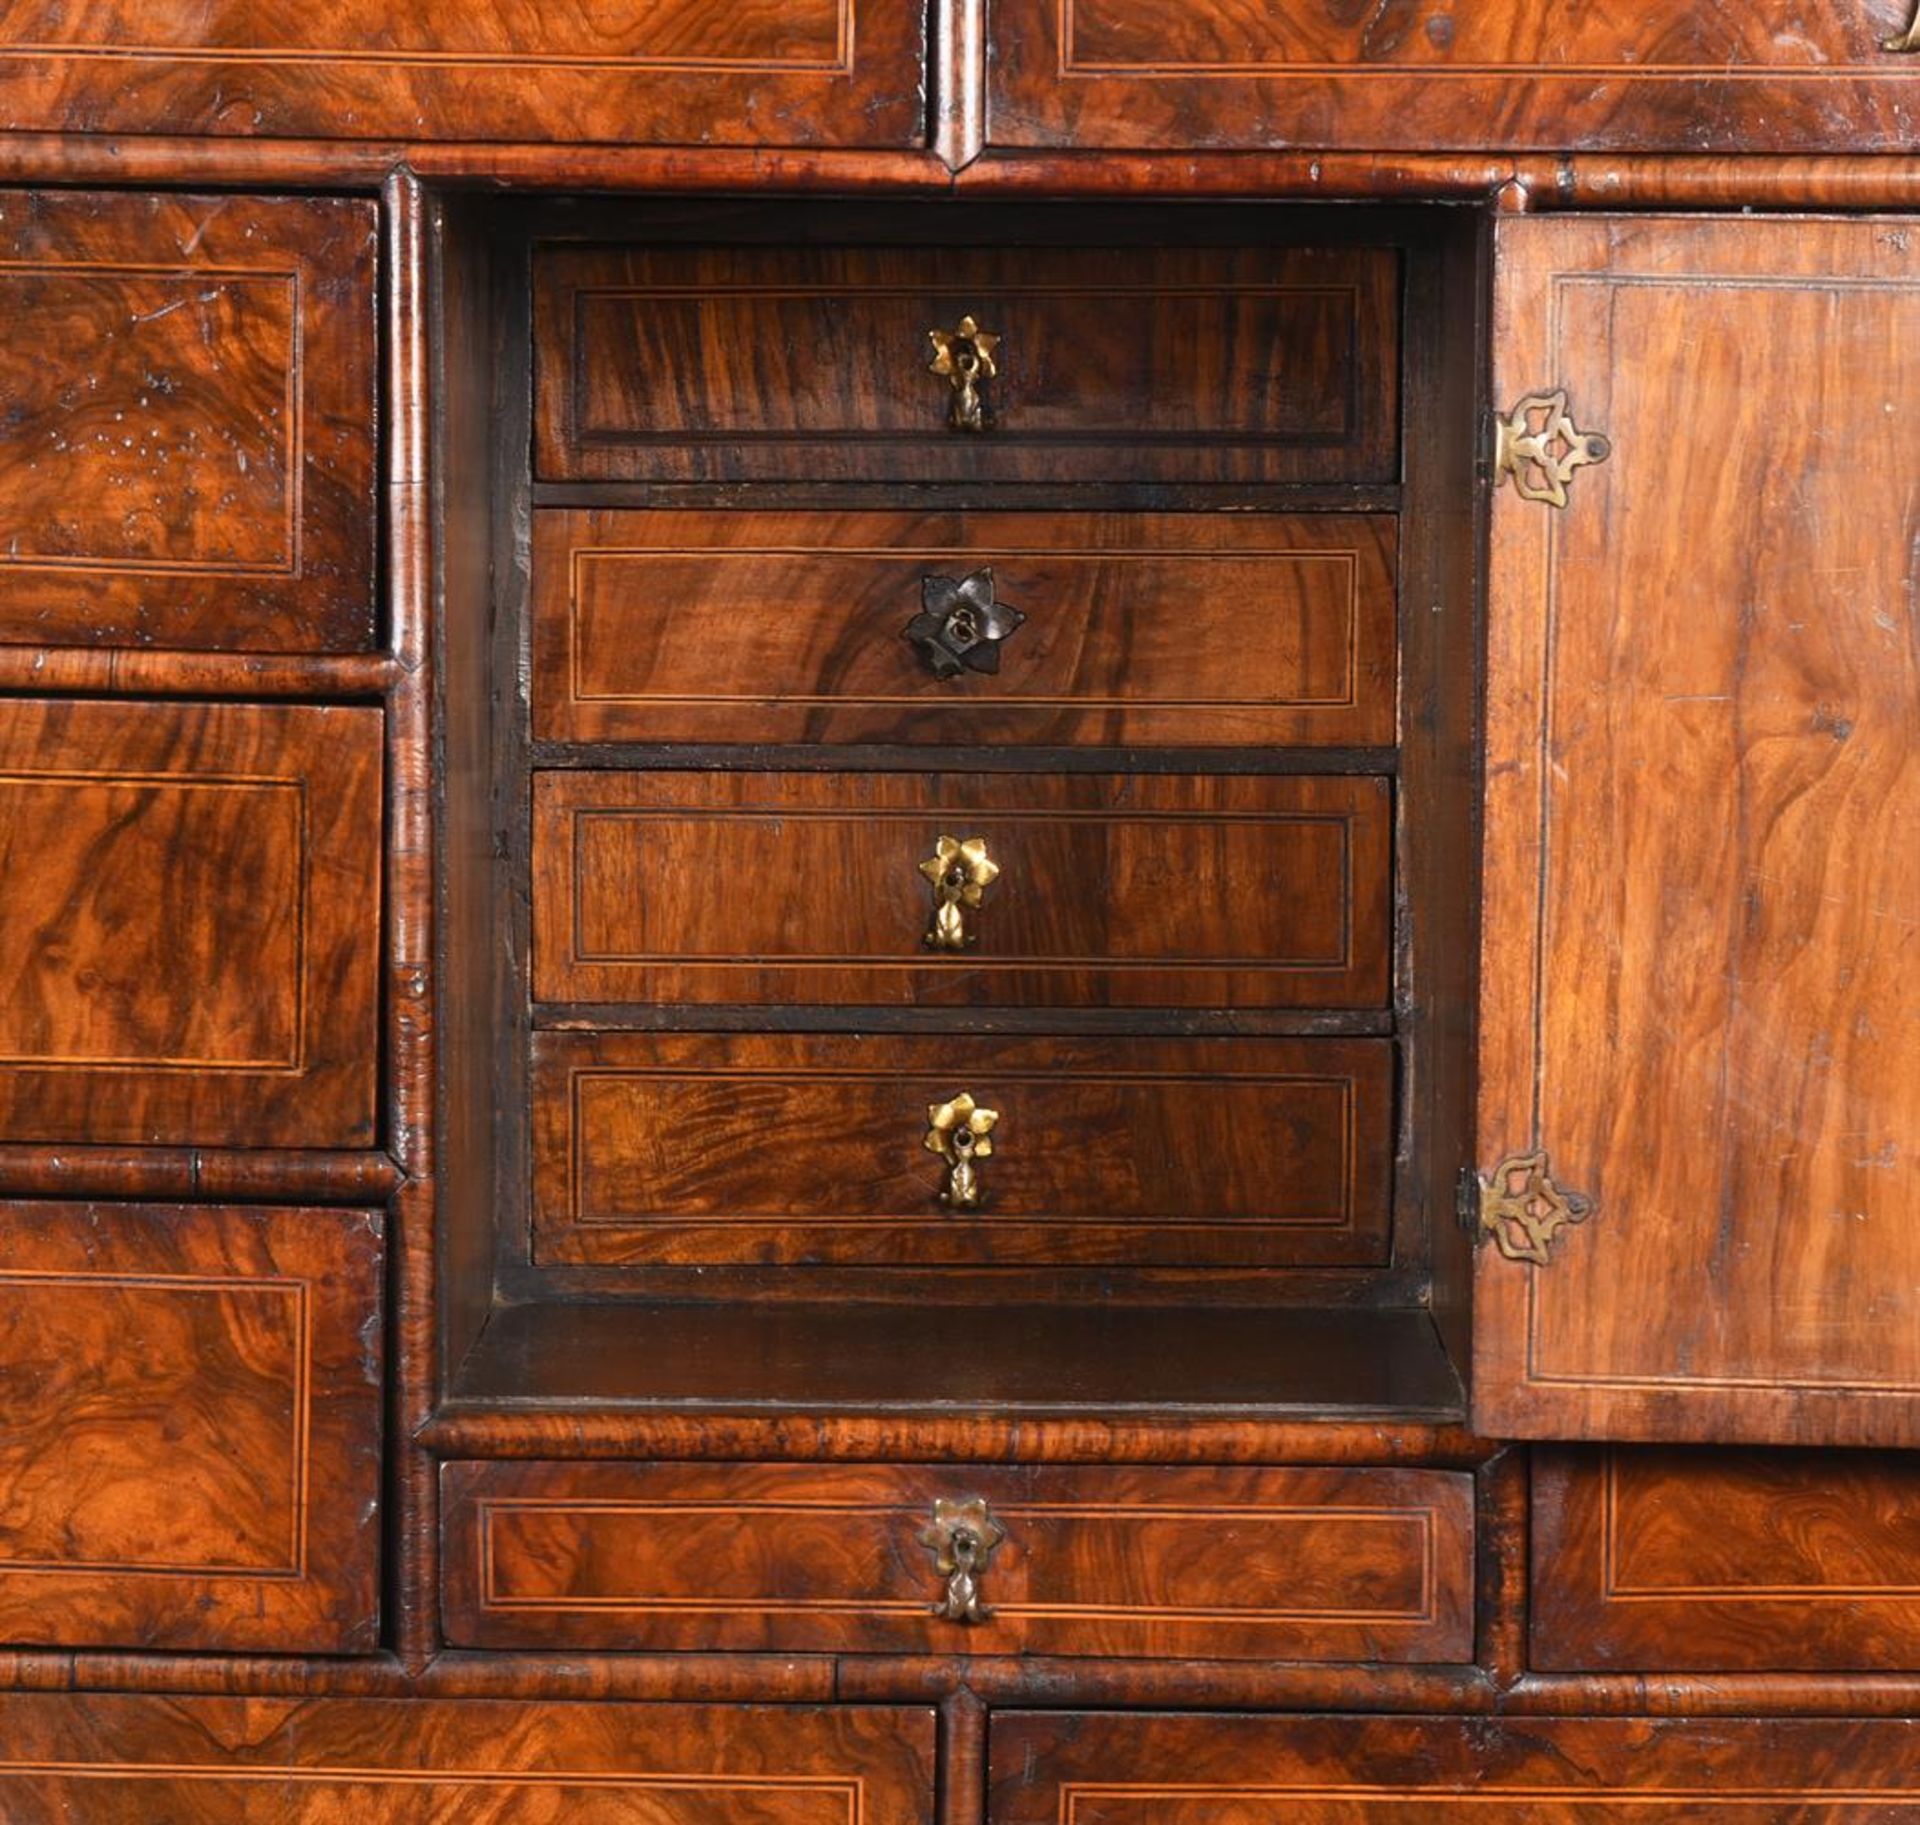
1538,447
1524,1211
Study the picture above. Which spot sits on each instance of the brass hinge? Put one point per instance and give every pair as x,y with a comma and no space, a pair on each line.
1538,447
1523,1211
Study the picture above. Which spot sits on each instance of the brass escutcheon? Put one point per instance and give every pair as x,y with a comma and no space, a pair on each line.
961,873
961,1536
963,357
960,1131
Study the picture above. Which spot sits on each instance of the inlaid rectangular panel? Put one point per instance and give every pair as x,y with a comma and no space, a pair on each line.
1715,76
1699,978
1726,1561
370,1761
654,1147
187,390
191,1458
1130,891
663,72
1222,1564
812,363
1112,1768
1125,628
191,926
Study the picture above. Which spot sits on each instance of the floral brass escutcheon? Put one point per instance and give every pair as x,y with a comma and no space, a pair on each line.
1539,447
961,873
961,1536
1524,1211
961,1133
960,626
963,357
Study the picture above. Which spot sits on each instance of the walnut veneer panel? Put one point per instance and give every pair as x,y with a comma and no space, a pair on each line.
806,888
1114,1769
1228,1564
1140,628
1654,75
191,1458
1169,364
1759,1562
1700,892
354,1761
685,1148
191,924
663,72
187,387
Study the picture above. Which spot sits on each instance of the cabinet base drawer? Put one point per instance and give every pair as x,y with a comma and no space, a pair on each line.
1305,1564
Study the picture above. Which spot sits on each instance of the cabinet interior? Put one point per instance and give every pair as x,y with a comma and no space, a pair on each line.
1109,1312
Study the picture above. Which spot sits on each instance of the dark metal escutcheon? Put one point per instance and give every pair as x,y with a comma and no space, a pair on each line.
960,625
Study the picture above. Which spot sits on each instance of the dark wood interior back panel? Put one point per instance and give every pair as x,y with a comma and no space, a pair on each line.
191,927
1169,364
1114,890
1223,1564
187,390
1113,1769
370,1761
1139,629
191,1457
755,72
1726,1561
1657,75
697,1148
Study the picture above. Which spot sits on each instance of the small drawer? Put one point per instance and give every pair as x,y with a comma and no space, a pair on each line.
1294,1564
705,1148
1726,1561
957,628
187,390
961,889
191,1458
814,364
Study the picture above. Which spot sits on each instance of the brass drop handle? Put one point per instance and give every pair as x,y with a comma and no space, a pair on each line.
963,357
1909,40
962,1537
960,873
960,1131
960,625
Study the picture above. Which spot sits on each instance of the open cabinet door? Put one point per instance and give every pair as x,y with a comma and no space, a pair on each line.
1699,1114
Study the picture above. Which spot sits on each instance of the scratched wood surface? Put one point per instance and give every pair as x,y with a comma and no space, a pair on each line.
1130,891
1700,980
1216,1564
191,1458
665,72
369,1761
1651,75
187,390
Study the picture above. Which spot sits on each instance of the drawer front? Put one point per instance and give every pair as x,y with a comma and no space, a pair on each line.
324,1761
1660,75
814,627
702,1148
191,1458
191,924
1221,1564
1131,891
1114,1769
1112,364
187,386
1726,1561
662,72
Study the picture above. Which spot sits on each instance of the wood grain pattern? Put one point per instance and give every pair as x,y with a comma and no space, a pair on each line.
1088,1769
1125,891
196,469
669,72
191,1458
355,1761
680,1148
1229,1564
191,925
1140,629
1519,75
1726,1561
1699,981
1163,364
